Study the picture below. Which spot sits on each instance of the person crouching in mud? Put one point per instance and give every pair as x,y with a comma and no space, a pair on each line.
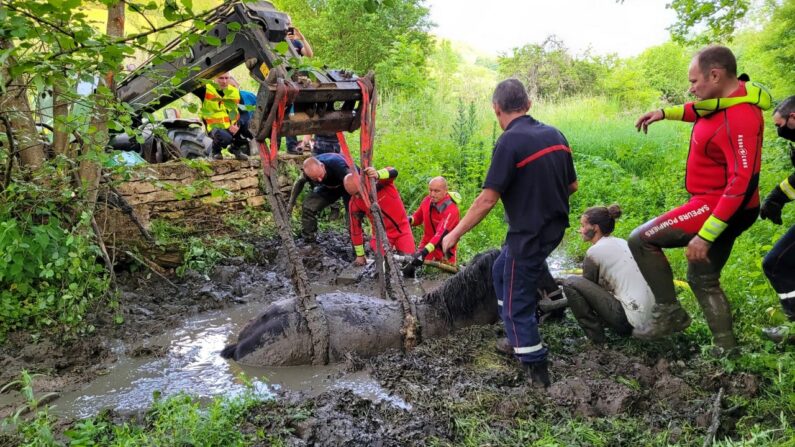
396,222
611,291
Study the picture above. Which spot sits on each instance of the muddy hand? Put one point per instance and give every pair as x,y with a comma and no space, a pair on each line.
650,117
697,250
360,261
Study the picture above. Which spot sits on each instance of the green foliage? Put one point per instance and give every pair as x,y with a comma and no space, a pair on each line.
549,71
49,276
363,35
705,21
404,67
177,421
203,253
665,67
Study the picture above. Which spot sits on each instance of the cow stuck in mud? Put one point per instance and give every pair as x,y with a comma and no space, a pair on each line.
367,326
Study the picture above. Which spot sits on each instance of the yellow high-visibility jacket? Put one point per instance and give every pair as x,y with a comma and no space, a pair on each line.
220,112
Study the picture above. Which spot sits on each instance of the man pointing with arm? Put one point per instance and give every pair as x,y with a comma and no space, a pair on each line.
722,177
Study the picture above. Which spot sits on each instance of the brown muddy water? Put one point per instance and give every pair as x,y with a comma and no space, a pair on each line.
189,362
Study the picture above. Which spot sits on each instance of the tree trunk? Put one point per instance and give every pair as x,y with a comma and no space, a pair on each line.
89,170
60,112
14,104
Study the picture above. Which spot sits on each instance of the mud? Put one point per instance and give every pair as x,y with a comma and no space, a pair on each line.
150,306
419,396
463,376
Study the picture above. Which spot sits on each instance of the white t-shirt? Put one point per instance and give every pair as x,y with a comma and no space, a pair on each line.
610,264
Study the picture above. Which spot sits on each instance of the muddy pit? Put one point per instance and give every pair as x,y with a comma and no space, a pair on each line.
170,341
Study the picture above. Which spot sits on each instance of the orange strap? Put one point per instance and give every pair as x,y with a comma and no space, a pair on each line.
269,158
346,154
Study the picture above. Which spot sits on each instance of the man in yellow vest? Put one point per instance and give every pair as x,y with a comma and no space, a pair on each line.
220,114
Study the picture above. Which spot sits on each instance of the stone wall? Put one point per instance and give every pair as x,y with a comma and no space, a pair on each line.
193,195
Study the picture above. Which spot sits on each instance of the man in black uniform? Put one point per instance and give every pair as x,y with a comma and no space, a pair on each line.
532,171
779,264
326,172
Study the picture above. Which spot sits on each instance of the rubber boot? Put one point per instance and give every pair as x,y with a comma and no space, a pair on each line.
713,302
665,319
538,373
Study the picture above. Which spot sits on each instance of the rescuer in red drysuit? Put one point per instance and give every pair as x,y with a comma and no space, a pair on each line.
396,223
722,177
438,214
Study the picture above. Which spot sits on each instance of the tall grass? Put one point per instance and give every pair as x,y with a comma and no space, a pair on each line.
615,164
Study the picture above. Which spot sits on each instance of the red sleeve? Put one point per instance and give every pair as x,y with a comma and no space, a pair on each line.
450,220
356,214
690,114
416,218
742,152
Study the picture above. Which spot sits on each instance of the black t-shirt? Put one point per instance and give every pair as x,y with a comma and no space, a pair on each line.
531,168
336,169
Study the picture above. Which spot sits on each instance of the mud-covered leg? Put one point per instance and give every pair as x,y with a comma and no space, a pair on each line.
646,242
704,280
594,307
314,203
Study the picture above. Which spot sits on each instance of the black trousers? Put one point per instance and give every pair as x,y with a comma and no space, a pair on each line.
779,267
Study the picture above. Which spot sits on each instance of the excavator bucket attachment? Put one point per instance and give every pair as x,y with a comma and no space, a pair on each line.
250,34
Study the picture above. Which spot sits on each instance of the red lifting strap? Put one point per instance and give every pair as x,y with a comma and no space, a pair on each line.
289,90
366,143
366,132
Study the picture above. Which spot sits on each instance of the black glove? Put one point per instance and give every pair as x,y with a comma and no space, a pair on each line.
771,207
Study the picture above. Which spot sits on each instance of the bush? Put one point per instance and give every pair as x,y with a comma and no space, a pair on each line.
49,277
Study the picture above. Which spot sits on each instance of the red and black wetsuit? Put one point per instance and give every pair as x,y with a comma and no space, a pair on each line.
396,223
722,177
437,220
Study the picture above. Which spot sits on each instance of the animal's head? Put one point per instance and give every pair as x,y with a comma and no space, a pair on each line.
469,295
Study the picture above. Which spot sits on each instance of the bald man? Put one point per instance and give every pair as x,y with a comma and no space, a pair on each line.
396,223
326,173
438,214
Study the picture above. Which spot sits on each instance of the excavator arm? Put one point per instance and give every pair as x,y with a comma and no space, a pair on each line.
327,101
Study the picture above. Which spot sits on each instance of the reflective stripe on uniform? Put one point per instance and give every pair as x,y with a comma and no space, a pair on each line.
712,228
528,349
784,296
789,191
499,303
